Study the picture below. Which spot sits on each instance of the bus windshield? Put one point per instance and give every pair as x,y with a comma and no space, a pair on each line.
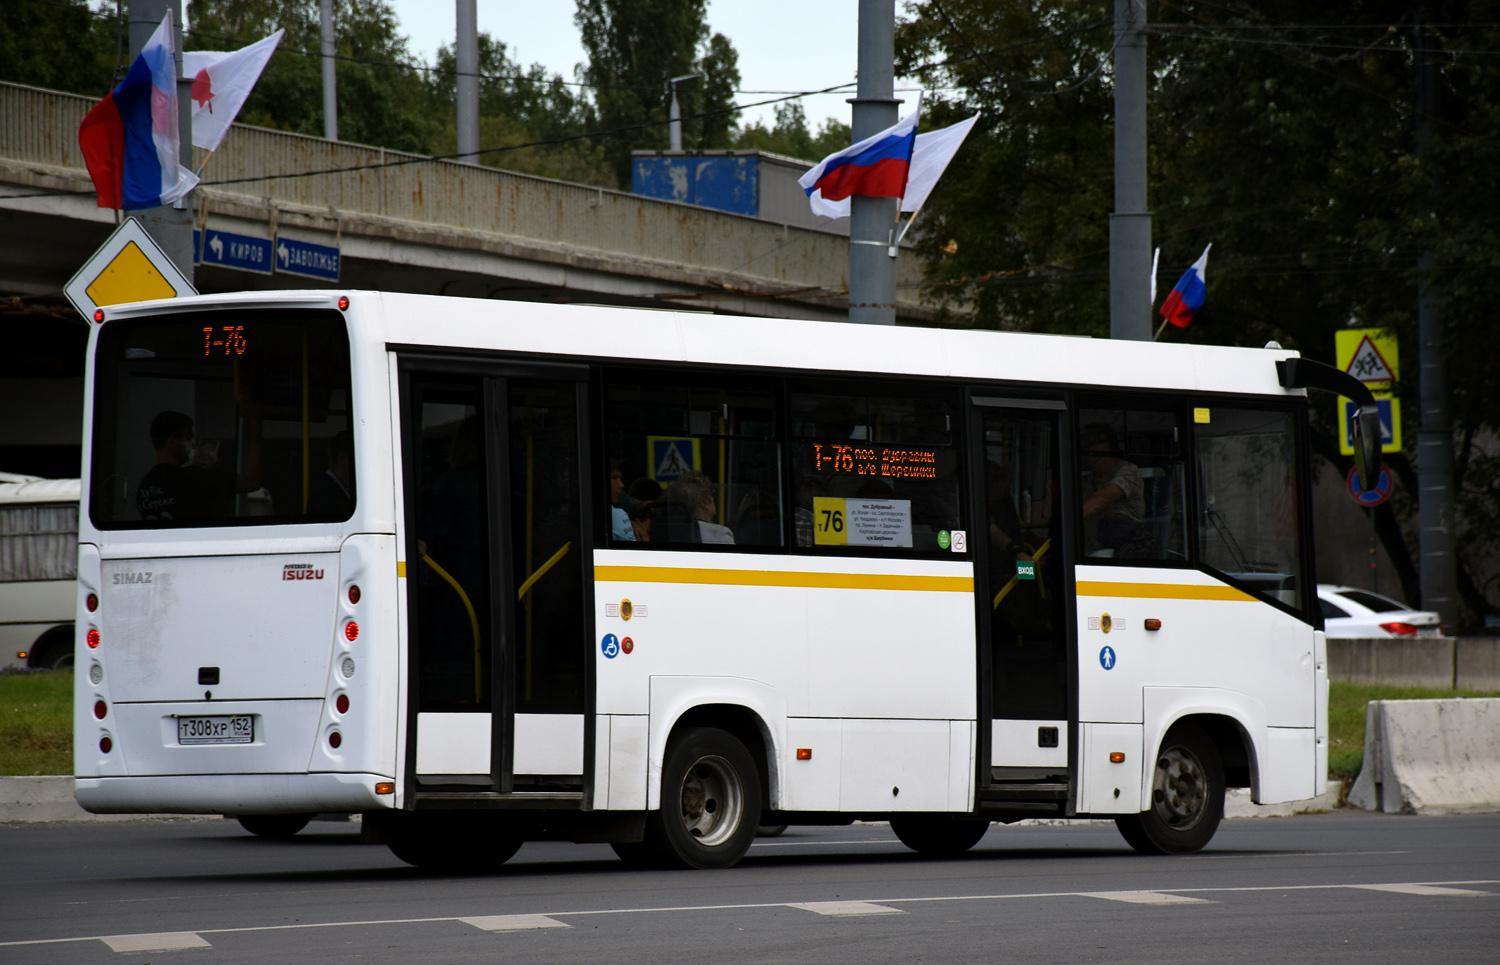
222,418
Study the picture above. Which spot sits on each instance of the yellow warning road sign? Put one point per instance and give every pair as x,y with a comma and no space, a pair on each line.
1368,354
128,267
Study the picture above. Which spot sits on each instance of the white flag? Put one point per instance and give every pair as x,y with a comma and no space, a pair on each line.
221,82
929,159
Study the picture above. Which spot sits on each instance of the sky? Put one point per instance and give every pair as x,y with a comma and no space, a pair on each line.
786,45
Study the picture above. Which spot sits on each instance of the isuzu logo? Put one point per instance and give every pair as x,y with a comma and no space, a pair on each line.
301,571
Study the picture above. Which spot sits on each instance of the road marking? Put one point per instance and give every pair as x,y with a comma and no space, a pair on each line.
1414,889
845,909
514,922
194,939
167,941
1146,898
820,844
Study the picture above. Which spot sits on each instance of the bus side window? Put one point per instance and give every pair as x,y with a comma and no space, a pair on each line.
1131,483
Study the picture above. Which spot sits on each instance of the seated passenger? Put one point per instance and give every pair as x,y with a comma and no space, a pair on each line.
691,509
1117,502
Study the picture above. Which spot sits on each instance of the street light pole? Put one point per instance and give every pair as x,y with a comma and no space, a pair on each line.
674,127
872,221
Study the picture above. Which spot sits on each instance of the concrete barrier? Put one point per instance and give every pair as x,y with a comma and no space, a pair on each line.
1461,663
1476,663
1430,757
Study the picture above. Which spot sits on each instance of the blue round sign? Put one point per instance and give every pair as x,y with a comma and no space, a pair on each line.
610,645
1107,658
1374,497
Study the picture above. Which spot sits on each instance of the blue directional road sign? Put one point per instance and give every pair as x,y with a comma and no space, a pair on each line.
307,259
226,250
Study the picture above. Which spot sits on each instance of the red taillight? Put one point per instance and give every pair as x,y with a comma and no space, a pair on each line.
342,703
100,709
93,638
98,314
343,303
335,739
92,602
351,630
353,593
1399,629
105,744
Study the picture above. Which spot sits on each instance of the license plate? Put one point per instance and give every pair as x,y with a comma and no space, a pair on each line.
216,730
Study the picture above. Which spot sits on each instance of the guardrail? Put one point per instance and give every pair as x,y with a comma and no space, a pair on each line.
1461,663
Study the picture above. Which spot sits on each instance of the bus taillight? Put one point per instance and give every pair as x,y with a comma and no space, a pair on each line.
93,639
342,703
100,709
351,631
335,739
105,744
92,602
353,593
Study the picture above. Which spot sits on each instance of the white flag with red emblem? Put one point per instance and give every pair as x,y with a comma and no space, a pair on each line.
221,82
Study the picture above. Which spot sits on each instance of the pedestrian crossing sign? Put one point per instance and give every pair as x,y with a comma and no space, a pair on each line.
1390,423
672,457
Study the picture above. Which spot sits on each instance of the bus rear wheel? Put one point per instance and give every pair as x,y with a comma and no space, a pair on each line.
274,825
1187,797
710,802
452,842
939,837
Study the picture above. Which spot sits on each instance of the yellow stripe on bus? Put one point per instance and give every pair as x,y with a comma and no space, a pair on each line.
835,581
400,569
1164,591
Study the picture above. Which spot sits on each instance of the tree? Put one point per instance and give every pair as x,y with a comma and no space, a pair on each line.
634,48
791,137
1289,147
60,45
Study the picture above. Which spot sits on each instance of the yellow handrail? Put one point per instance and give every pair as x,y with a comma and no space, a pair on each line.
1011,583
542,570
473,622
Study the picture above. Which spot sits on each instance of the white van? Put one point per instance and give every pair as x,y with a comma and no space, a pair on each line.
38,570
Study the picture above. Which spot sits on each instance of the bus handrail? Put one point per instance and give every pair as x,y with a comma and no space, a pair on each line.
473,622
542,570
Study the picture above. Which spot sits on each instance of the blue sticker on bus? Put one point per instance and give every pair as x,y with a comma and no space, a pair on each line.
610,646
1107,658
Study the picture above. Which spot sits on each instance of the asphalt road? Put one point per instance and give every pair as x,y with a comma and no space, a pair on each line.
1345,887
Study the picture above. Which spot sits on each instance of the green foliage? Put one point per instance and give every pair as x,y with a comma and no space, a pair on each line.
60,45
790,136
36,723
635,47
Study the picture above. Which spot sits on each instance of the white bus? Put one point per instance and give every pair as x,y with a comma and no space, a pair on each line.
38,560
491,571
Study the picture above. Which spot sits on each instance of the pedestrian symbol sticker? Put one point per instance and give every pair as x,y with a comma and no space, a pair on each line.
610,646
1107,658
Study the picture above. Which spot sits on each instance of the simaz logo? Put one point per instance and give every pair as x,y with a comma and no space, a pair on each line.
300,571
125,579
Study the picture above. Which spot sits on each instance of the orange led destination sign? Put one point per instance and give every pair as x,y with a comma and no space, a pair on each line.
892,462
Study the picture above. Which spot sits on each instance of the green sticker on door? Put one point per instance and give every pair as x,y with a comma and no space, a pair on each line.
1025,569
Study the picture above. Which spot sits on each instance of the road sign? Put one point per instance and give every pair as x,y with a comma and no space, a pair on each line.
1374,497
1390,423
128,267
672,456
1368,354
240,252
307,259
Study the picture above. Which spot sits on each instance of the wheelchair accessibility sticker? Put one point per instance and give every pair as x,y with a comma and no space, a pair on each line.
1107,658
610,646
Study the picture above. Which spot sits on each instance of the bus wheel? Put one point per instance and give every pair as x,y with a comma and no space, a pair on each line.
710,801
939,837
274,825
53,650
1187,797
452,842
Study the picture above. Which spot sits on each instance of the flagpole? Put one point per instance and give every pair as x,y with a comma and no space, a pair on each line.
209,157
1163,328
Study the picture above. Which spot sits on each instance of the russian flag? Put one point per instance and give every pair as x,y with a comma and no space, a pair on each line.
1188,294
876,167
129,139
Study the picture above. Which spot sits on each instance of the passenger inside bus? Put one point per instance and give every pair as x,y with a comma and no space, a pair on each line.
646,492
186,481
690,511
1116,502
332,493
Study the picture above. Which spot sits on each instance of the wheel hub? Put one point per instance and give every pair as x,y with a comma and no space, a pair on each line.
712,801
1181,792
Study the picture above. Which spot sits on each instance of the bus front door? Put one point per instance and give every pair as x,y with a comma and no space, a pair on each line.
496,589
1023,606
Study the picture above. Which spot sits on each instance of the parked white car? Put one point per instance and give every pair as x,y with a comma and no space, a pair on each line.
1352,612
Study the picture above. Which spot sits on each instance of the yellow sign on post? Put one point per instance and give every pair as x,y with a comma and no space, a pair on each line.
128,267
1369,354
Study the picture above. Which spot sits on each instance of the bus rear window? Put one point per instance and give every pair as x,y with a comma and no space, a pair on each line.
222,418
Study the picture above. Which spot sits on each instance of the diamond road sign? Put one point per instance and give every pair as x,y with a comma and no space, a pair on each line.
128,267
307,259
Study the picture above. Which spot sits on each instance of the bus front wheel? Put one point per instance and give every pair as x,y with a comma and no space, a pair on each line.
710,801
1187,797
453,842
939,837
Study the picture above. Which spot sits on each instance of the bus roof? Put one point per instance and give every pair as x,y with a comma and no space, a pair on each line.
650,335
16,488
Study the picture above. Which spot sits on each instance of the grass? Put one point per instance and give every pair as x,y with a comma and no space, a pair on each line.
36,722
1346,721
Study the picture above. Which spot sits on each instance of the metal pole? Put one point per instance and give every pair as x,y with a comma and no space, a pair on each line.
171,227
1438,567
466,52
1130,225
872,221
674,116
330,83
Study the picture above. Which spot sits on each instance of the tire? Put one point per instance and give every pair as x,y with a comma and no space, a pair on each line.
939,837
710,802
771,830
453,842
1187,797
274,825
53,650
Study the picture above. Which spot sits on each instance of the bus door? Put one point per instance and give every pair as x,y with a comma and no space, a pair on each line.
495,577
1024,599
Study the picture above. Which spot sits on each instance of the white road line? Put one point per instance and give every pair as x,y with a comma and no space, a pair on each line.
1146,898
514,922
1413,889
1409,887
820,844
845,909
167,941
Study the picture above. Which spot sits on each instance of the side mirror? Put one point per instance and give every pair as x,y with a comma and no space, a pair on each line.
1367,438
